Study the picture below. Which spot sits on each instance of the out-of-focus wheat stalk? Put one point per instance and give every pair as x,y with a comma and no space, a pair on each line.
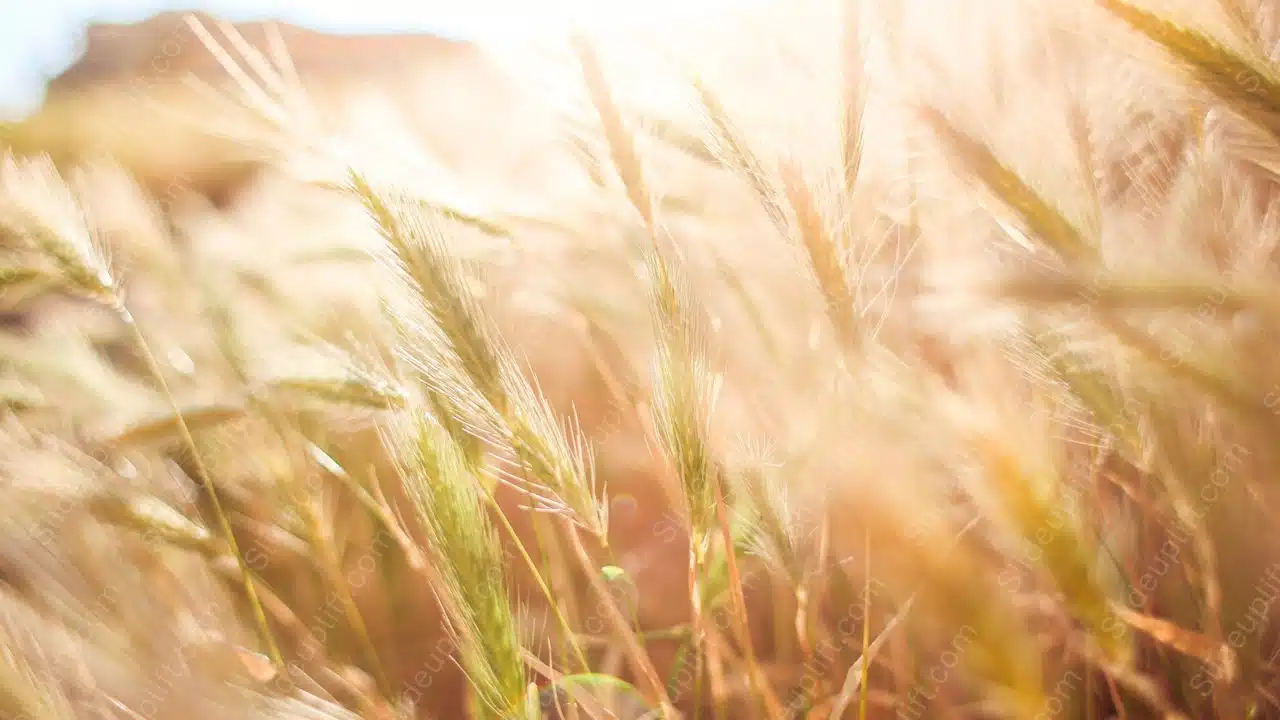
825,258
42,206
854,91
1246,85
738,156
1030,207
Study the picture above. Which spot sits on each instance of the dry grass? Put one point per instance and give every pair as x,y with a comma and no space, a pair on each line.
910,363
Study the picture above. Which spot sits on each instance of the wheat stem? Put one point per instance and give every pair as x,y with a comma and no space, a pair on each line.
631,644
224,524
759,683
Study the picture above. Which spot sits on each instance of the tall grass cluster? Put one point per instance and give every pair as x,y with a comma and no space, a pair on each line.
911,362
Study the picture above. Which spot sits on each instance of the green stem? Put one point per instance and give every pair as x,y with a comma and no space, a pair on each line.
224,524
537,576
698,646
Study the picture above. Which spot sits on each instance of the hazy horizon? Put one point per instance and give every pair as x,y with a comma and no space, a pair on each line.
38,40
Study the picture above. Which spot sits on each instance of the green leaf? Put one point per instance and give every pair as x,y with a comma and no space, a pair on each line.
606,692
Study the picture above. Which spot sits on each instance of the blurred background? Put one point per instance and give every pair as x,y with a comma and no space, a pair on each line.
131,79
39,40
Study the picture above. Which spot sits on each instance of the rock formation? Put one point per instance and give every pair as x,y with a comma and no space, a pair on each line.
129,97
165,47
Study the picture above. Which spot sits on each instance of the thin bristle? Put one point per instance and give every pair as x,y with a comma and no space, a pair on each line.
419,255
554,456
739,156
40,207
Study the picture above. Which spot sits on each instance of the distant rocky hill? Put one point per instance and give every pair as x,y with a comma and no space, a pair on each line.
115,100
165,47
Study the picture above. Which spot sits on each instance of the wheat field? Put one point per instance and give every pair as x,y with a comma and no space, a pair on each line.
822,359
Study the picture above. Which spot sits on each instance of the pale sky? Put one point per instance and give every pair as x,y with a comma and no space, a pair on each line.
38,38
